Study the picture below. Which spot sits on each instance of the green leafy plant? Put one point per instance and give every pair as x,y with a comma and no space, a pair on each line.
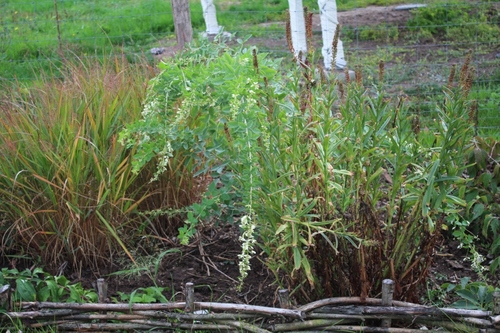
144,295
202,123
338,186
473,295
37,285
480,219
450,20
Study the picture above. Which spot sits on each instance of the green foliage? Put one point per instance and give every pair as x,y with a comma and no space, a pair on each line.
339,184
218,205
379,33
480,221
488,99
456,21
144,295
473,295
36,285
187,117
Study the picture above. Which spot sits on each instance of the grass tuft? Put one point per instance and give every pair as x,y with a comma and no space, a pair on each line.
67,191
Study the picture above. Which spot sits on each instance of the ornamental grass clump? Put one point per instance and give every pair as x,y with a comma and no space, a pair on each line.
67,191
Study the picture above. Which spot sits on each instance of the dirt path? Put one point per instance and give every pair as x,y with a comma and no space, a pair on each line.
373,15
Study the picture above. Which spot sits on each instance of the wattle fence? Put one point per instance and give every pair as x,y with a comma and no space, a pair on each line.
343,314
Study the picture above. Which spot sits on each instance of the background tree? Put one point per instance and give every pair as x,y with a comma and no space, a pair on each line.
182,22
210,16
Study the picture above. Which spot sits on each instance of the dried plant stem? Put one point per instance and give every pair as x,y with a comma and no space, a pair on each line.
58,27
381,71
335,44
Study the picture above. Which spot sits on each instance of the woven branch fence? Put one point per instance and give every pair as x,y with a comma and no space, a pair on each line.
341,314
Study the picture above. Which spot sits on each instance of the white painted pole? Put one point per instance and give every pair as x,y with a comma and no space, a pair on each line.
210,16
329,22
298,26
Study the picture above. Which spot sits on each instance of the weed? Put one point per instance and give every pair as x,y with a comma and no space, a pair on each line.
473,295
145,265
144,295
36,285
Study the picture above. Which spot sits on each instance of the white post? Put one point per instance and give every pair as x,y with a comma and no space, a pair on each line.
298,27
329,22
210,16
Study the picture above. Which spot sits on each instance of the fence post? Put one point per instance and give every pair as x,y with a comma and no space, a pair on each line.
284,298
387,295
182,22
102,290
189,297
496,303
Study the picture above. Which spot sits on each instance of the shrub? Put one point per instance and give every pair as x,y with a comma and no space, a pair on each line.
335,183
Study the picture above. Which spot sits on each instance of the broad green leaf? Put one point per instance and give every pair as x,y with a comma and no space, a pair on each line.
477,211
43,294
468,295
464,281
463,304
25,290
62,280
75,294
56,291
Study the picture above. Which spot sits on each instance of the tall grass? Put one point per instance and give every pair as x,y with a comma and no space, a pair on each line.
67,192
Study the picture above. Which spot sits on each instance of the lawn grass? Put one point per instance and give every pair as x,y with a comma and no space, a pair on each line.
36,35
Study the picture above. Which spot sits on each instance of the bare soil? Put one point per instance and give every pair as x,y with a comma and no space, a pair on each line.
211,264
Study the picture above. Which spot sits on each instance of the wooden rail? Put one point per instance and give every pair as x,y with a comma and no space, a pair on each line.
342,314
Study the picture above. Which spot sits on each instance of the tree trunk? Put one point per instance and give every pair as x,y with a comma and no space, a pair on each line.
210,16
329,22
182,22
298,26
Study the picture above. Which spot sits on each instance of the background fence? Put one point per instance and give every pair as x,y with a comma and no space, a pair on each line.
418,46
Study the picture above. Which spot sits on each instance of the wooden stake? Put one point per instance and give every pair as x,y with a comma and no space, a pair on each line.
102,290
182,22
284,299
387,296
496,303
189,297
